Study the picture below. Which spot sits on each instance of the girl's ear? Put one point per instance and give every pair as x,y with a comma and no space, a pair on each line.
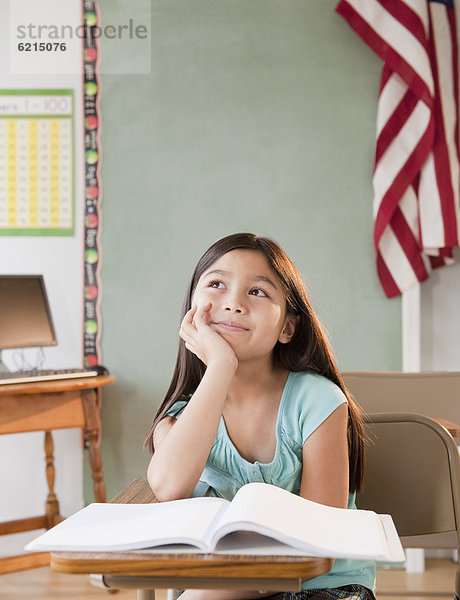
288,330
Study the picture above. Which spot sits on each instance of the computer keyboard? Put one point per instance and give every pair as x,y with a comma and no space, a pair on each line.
50,374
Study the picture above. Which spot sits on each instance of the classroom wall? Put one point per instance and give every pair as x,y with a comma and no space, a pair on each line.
257,116
440,322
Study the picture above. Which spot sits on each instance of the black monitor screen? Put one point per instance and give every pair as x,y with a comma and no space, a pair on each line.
25,316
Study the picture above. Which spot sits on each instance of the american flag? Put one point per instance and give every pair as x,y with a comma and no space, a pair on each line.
416,176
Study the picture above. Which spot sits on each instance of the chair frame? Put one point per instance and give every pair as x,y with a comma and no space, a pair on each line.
428,535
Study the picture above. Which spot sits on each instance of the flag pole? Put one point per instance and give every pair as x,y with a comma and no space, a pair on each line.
411,330
411,363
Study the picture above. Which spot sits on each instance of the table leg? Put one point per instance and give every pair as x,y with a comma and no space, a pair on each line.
91,432
52,505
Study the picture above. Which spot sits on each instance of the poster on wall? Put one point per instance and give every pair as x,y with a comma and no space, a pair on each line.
36,162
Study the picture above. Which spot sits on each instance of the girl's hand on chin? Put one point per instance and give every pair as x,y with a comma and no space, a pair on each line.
201,339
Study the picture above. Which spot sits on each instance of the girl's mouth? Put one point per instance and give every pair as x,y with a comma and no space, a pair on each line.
231,326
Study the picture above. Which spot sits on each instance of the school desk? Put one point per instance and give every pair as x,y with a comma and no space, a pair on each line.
145,572
46,406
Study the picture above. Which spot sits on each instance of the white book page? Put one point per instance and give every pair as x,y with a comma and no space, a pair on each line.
255,544
310,527
241,543
106,527
394,543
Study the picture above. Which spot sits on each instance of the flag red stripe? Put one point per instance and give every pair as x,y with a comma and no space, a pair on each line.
446,252
386,74
386,279
437,261
395,123
453,37
409,244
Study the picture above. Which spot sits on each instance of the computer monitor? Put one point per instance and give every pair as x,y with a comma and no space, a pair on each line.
25,316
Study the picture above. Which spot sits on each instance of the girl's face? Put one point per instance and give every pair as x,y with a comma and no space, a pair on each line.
248,307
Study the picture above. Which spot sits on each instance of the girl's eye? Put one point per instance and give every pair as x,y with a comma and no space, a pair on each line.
216,284
257,292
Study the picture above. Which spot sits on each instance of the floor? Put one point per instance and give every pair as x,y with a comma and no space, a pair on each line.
438,579
40,584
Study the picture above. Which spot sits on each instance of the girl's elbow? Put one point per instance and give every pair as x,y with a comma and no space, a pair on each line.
165,494
164,489
162,493
156,486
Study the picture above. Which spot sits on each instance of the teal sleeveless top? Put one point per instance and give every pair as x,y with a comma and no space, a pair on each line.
307,400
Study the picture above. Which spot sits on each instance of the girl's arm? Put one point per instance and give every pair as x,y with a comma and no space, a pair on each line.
182,446
325,461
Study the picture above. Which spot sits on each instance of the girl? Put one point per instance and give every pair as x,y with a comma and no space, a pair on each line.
256,396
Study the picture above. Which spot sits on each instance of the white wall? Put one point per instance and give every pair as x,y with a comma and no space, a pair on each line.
440,319
60,259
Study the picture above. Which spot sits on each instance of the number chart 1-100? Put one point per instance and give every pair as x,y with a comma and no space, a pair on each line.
36,162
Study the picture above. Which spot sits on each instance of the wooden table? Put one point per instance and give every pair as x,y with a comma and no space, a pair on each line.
452,428
44,406
145,572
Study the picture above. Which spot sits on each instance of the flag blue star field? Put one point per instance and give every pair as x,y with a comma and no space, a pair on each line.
417,169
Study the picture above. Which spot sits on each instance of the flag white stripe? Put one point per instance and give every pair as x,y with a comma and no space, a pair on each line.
431,219
391,95
426,262
398,37
409,209
396,260
397,153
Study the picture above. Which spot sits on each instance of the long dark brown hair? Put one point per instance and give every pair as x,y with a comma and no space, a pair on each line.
308,350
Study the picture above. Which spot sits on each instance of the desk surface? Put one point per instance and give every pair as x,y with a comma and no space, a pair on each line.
452,428
49,405
191,565
59,385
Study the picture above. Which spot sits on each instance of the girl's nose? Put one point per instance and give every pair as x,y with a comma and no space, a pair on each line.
233,309
234,300
234,303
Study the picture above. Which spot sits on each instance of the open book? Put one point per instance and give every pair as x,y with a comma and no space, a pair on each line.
261,519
